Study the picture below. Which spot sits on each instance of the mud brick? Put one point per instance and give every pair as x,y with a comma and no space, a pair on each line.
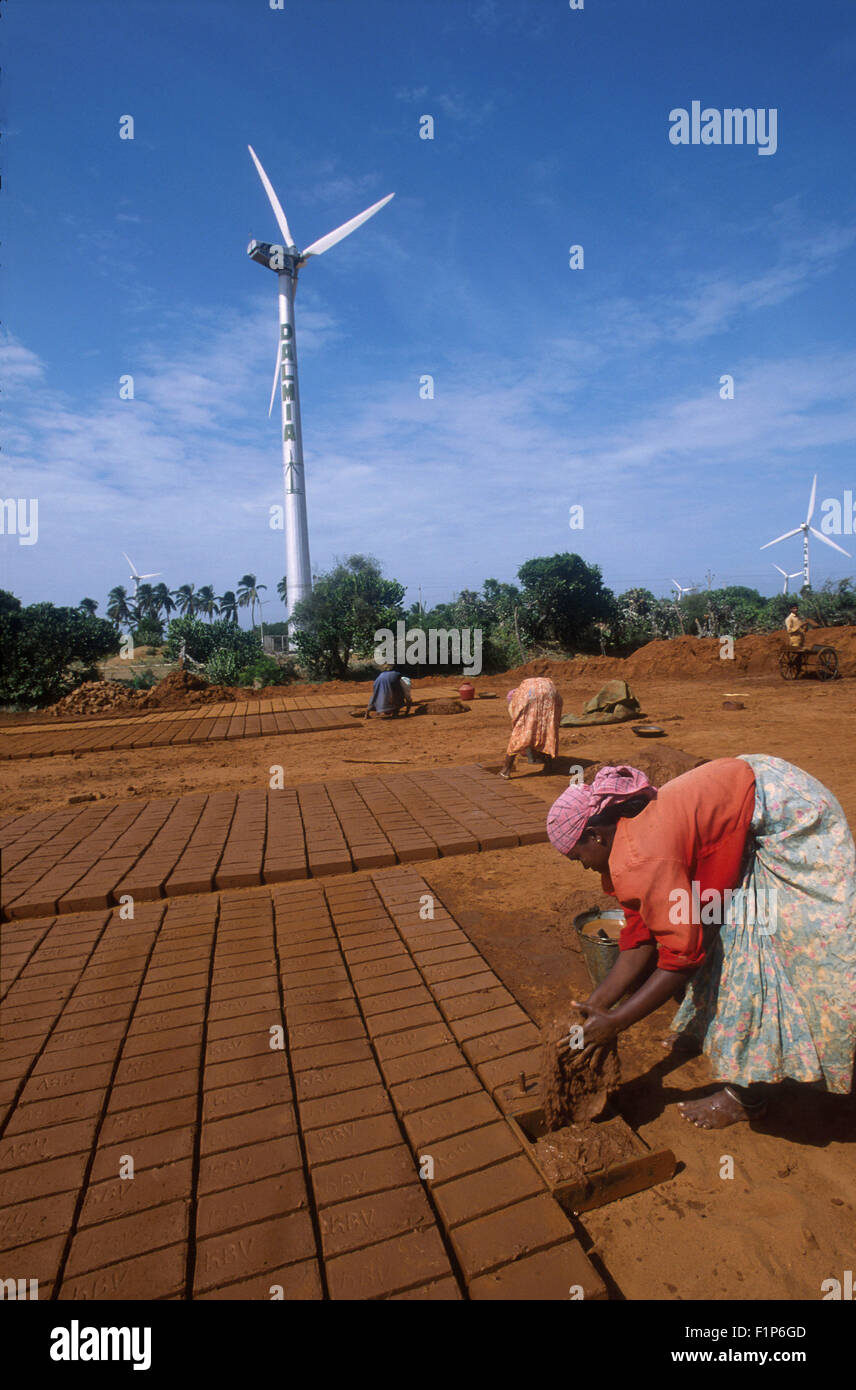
508,1041
132,1235
495,1020
467,984
125,1125
504,1069
329,1081
331,1054
327,862
379,949
39,1260
245,1096
251,1025
416,1064
46,1082
324,975
413,1040
146,1041
155,1151
40,1145
401,999
243,1253
295,963
550,1275
398,1019
154,1089
25,1223
43,1179
351,1138
273,1122
423,947
249,1164
276,1195
158,1275
47,1113
392,963
388,1267
365,1220
435,1291
149,1187
240,1006
487,1191
431,1090
451,1117
315,1013
463,1005
258,1066
158,1064
307,1035
434,959
317,994
360,1176
299,1283
388,984
510,1234
348,1105
472,1151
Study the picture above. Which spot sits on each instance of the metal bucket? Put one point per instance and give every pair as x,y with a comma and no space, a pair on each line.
599,956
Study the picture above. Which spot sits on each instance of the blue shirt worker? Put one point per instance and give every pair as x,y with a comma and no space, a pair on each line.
391,691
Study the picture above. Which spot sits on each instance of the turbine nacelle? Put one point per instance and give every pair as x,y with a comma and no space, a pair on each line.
285,260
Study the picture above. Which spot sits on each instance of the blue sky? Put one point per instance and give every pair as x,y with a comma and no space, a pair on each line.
554,387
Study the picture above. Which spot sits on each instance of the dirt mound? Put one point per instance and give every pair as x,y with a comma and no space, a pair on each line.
441,707
182,688
575,1085
660,763
97,697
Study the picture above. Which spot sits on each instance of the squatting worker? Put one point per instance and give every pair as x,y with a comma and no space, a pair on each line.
535,707
771,983
797,627
390,693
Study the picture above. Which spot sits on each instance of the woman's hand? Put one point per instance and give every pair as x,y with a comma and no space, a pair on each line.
600,1027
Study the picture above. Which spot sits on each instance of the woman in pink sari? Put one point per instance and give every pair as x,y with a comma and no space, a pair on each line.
535,708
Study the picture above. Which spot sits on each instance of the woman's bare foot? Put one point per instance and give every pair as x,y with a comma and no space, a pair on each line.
717,1111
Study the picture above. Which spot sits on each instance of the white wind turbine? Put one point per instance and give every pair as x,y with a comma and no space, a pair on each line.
787,576
136,579
681,589
287,261
805,527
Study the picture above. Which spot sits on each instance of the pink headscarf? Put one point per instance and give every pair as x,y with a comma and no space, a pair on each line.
569,815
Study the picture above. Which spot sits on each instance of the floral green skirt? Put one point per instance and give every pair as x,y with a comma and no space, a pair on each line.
776,994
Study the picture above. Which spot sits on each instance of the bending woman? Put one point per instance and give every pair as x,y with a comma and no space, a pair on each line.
737,881
535,708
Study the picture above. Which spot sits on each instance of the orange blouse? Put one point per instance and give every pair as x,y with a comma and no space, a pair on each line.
692,838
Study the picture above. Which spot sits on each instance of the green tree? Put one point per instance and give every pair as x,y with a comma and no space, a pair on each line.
185,598
119,609
282,589
248,594
206,601
163,600
343,612
88,606
47,650
145,603
228,606
564,598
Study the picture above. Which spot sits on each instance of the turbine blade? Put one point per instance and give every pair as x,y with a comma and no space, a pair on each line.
281,220
319,247
785,537
130,562
810,512
784,572
827,541
275,379
156,575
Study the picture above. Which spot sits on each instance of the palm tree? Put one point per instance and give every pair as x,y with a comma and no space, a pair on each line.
163,599
185,597
228,605
145,601
206,601
118,608
282,589
248,594
88,606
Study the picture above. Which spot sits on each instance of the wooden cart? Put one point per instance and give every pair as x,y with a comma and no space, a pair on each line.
797,661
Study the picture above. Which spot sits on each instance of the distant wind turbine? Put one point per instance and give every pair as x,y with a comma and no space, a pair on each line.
287,261
795,575
136,579
805,527
682,589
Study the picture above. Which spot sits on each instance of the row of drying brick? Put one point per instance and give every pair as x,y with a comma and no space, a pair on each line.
257,1167
93,857
179,729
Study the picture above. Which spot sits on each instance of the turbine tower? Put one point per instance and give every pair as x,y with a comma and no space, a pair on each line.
135,578
796,574
805,527
287,261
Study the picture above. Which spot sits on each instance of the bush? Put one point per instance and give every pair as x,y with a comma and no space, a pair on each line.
148,633
47,651
267,671
221,668
202,640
